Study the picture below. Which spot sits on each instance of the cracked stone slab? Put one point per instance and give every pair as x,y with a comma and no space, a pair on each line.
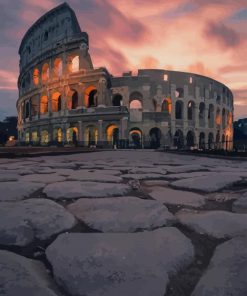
76,189
155,170
110,264
22,276
12,191
99,176
121,214
9,176
240,205
155,183
177,197
148,176
21,222
218,224
226,273
186,168
209,183
43,178
187,175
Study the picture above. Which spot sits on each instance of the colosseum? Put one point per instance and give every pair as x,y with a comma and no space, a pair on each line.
64,100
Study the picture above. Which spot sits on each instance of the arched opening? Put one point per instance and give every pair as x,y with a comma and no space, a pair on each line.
44,137
218,99
75,64
72,135
223,118
45,73
35,138
56,102
179,93
155,105
36,76
202,141
179,110
167,105
27,137
210,141
91,136
218,118
155,137
223,142
112,134
43,105
135,138
191,110
178,139
202,114
34,106
72,99
211,116
135,100
190,139
90,96
58,135
117,100
58,67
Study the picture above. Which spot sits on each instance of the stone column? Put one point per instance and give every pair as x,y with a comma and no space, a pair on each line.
80,135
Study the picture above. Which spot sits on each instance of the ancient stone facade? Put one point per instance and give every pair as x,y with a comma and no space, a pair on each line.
63,99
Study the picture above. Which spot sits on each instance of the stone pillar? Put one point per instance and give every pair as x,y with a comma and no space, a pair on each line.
80,134
124,132
100,129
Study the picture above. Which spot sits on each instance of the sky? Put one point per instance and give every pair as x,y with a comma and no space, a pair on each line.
207,37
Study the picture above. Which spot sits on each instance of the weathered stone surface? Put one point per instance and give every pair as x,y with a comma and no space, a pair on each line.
155,183
85,175
208,183
186,168
177,197
187,175
9,176
226,274
21,222
43,178
11,191
119,264
155,170
121,214
20,276
148,176
75,189
240,205
219,224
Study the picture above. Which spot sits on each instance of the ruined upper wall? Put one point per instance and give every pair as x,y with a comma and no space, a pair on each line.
56,27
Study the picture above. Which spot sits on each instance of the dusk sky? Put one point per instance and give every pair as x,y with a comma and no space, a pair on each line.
207,37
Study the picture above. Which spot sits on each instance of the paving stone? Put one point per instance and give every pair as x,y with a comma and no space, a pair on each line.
187,175
226,273
155,183
121,214
20,276
21,222
11,191
218,224
177,197
9,176
43,178
209,183
186,168
155,170
240,205
148,176
110,264
76,189
99,176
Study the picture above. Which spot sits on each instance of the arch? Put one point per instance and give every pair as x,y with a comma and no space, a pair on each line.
56,102
117,100
218,99
135,95
218,117
167,105
72,135
202,114
135,137
179,92
45,72
43,104
202,141
135,104
155,137
73,63
90,96
179,110
34,105
112,134
72,102
36,76
44,137
27,137
58,67
223,118
178,139
190,139
34,137
211,116
191,110
210,140
91,135
58,135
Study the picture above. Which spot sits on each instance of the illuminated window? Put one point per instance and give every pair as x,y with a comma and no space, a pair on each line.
56,102
90,97
36,76
165,77
58,67
75,64
191,79
43,105
44,137
135,104
45,72
35,136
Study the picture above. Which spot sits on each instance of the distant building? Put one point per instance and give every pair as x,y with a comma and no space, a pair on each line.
63,99
240,134
8,129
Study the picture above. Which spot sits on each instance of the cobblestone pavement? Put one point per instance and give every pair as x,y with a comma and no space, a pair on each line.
123,223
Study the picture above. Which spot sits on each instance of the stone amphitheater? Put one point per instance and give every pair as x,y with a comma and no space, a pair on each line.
64,100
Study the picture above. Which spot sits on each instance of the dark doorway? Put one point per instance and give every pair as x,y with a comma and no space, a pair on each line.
155,136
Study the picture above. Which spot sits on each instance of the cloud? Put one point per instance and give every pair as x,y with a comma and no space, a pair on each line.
199,68
8,80
227,37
